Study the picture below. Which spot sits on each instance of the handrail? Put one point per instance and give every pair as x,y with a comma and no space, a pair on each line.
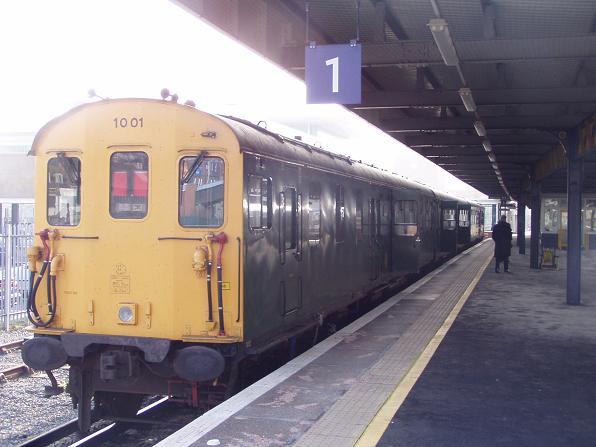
238,285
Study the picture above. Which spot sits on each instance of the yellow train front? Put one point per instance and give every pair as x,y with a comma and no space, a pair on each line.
135,275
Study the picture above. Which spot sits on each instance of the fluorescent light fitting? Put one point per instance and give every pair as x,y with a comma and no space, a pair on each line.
487,146
466,96
480,129
492,157
440,32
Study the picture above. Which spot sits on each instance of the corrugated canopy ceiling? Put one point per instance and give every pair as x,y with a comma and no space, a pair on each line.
530,66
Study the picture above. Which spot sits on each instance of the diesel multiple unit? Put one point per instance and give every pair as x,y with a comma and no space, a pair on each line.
174,243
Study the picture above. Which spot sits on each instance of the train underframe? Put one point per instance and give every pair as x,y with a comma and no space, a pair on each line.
110,375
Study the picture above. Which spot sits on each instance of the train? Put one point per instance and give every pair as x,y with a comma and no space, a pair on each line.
174,244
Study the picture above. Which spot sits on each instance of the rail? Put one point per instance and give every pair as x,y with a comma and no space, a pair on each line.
104,434
7,347
14,372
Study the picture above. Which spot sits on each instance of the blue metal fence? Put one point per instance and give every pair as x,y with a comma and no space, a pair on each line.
14,274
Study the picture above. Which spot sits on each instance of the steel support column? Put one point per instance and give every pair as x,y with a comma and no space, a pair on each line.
535,228
574,226
521,226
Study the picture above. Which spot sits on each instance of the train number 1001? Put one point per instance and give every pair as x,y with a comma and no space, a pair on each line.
128,122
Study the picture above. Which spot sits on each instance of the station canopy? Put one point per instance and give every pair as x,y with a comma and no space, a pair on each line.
493,91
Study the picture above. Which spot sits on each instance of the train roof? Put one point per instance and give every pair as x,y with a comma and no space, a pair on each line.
255,139
258,140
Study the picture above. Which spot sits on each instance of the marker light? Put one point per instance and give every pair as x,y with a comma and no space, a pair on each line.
127,313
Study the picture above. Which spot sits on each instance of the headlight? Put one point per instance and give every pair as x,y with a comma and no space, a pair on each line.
127,313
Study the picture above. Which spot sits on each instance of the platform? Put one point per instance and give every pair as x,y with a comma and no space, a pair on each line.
330,394
517,367
464,357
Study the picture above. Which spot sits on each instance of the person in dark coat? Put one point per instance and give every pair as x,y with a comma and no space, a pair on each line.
502,237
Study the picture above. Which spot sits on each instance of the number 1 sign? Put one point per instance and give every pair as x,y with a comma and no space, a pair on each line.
333,74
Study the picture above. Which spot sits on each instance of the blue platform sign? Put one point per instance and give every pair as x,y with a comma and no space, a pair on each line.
333,74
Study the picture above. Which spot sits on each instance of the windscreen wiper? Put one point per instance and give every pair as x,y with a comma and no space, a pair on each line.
196,164
71,169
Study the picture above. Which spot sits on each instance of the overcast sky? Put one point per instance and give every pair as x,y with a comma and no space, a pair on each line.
53,52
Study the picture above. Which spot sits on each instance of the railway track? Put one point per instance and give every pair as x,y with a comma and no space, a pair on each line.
14,371
13,345
150,415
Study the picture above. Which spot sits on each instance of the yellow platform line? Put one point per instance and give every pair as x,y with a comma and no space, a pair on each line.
371,436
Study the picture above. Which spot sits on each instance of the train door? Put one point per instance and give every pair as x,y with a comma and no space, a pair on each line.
407,237
436,227
448,227
374,239
290,249
426,231
385,233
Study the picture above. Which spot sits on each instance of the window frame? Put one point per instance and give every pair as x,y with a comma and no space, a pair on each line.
269,212
452,211
359,215
340,214
290,218
179,188
79,191
463,220
110,185
314,194
400,215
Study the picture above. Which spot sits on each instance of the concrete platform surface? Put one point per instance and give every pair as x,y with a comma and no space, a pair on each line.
517,368
328,395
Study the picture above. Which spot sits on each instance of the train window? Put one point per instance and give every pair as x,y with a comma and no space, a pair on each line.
129,185
406,219
427,218
359,213
340,214
314,214
448,219
201,192
590,215
259,202
464,218
372,212
288,215
385,217
64,191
